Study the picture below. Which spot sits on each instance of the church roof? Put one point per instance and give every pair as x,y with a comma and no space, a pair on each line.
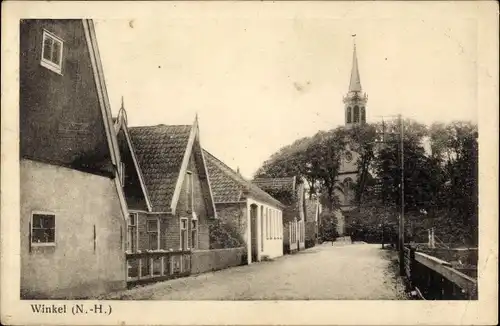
355,83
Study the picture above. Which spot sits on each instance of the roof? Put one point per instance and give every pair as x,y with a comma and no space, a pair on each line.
160,151
285,183
120,123
228,186
355,83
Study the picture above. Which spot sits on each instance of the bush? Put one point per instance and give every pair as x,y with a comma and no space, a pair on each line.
224,236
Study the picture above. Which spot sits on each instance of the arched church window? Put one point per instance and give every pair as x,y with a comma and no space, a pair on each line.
363,114
349,115
356,114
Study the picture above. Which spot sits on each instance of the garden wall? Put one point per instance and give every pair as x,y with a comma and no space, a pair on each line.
210,260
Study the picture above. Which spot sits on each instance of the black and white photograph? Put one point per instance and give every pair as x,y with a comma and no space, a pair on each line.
251,152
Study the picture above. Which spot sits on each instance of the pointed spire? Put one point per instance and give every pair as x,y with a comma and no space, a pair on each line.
355,83
122,107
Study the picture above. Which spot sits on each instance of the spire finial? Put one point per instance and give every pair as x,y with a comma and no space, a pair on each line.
122,103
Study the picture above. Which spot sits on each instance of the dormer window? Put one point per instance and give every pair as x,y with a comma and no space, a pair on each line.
52,52
189,192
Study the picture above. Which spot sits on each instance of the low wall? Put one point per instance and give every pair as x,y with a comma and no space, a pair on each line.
215,259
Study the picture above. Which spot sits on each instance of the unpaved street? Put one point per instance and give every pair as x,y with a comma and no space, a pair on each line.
343,271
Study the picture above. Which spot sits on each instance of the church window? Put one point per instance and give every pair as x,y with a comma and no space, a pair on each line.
349,114
363,115
356,114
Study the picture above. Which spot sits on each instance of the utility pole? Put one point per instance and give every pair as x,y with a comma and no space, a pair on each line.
402,187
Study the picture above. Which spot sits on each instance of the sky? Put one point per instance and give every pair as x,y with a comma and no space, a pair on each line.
260,76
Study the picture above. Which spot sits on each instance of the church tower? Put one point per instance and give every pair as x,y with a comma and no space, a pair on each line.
355,100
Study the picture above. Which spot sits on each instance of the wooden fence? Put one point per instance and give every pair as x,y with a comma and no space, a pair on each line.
435,279
153,266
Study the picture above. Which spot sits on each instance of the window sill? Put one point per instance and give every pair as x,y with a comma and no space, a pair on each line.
43,244
50,66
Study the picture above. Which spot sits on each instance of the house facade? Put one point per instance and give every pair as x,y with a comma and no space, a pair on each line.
251,212
172,166
73,213
292,194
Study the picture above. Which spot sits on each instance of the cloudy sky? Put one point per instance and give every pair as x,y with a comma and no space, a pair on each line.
261,75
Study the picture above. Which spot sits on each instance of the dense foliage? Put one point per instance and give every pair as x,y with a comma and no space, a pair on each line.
440,177
224,236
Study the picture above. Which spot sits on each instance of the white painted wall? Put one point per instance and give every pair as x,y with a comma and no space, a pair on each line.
269,229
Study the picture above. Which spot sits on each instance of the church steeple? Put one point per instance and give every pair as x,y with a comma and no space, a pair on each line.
355,84
355,101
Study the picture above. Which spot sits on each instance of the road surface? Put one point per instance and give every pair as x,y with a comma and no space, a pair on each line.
344,271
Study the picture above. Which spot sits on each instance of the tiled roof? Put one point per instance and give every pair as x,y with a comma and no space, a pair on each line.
267,184
229,186
160,150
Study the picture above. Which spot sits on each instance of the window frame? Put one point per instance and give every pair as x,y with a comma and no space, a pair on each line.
157,231
49,64
181,229
134,227
194,240
42,244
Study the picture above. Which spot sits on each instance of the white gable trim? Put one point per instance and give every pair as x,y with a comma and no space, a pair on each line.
184,165
136,164
207,178
90,37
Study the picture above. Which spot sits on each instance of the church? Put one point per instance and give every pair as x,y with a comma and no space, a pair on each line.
355,114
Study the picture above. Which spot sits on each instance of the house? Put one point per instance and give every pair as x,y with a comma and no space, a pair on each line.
140,210
255,215
313,211
73,213
291,192
177,204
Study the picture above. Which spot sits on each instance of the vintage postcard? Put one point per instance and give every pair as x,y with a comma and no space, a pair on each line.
263,163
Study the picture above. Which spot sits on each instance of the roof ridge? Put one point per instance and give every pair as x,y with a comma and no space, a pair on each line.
238,178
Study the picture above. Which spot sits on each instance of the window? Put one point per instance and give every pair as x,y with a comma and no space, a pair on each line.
363,114
261,228
184,235
152,228
356,114
194,234
349,115
189,192
268,226
43,229
52,52
132,232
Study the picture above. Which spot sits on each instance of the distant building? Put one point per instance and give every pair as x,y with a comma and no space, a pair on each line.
355,114
291,193
253,213
313,211
73,214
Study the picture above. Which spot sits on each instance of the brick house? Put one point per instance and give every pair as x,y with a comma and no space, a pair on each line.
255,215
173,168
134,187
313,211
73,213
291,192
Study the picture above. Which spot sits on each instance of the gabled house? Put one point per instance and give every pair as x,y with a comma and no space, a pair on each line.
177,188
291,192
135,192
73,213
313,211
255,215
